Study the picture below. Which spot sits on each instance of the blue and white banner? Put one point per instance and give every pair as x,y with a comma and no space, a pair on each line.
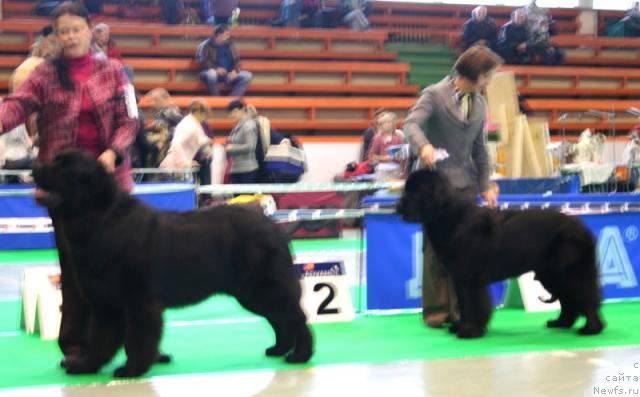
25,225
618,252
394,259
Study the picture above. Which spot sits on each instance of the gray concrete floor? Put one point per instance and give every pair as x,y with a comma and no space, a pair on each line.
551,374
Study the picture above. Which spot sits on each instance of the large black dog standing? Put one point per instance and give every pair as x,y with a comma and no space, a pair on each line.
478,246
132,261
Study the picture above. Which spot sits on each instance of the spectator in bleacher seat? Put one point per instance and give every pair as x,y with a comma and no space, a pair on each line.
451,115
353,13
386,135
172,11
290,14
631,21
165,111
190,145
311,14
480,29
241,144
219,62
540,45
534,16
369,133
298,13
104,45
220,11
83,102
512,41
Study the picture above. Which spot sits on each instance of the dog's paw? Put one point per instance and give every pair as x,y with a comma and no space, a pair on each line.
79,366
298,357
591,329
276,351
69,359
558,323
128,372
470,332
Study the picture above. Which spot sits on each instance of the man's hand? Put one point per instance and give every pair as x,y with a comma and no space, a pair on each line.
427,155
522,47
233,75
490,197
221,72
108,160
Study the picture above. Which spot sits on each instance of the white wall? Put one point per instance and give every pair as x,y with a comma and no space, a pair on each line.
325,160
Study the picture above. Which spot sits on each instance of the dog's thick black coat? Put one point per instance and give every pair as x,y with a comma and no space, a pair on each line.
131,262
478,246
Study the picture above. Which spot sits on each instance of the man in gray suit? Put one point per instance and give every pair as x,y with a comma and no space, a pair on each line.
451,115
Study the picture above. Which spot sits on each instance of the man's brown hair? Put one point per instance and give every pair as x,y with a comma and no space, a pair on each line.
476,61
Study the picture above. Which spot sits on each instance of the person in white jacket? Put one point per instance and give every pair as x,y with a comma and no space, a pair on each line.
190,142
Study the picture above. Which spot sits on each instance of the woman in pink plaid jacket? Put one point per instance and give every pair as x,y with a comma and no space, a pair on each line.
82,102
98,114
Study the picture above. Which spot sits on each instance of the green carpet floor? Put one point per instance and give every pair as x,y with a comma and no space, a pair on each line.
200,339
200,348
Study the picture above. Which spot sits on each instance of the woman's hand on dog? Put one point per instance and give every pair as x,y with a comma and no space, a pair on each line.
428,155
108,159
490,197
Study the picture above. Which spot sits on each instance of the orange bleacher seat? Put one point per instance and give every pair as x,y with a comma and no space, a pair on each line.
590,50
152,39
578,117
269,76
575,81
290,76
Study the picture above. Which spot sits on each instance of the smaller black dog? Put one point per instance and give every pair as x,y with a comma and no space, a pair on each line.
132,261
478,246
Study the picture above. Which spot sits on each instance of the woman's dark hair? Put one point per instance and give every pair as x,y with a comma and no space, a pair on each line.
236,104
67,8
476,61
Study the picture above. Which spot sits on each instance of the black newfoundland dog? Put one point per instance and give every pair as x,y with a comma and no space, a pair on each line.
132,261
478,246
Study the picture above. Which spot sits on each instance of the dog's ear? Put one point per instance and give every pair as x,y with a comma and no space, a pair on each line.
101,186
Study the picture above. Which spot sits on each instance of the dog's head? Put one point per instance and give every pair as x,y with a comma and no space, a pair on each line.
425,193
73,182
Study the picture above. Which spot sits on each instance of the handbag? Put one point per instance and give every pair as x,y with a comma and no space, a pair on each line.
285,159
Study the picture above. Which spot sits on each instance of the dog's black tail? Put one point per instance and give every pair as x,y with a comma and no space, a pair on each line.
550,299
